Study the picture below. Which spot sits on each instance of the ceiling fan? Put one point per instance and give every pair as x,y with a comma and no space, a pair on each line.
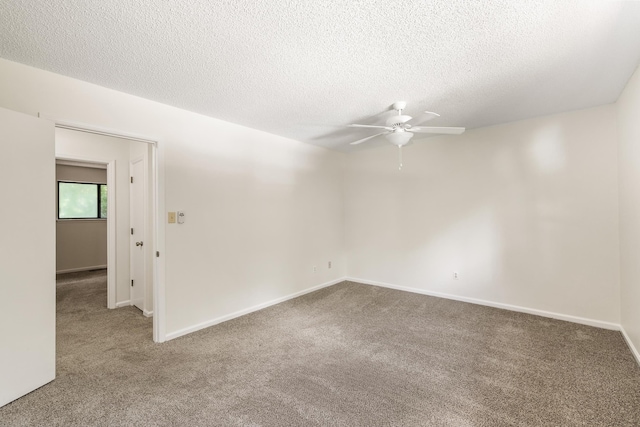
398,130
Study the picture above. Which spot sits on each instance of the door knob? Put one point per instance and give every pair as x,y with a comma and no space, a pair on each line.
138,243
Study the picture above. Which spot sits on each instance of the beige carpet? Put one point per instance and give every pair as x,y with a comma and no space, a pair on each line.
348,355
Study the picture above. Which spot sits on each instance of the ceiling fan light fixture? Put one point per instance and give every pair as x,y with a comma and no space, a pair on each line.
399,138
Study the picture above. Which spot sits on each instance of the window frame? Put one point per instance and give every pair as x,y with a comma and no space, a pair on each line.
99,204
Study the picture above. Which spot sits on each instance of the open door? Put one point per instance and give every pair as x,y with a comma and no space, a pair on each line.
137,251
27,255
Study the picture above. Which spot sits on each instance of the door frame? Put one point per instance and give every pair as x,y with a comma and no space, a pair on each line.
158,205
111,216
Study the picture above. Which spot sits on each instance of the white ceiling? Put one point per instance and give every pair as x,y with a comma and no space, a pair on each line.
303,69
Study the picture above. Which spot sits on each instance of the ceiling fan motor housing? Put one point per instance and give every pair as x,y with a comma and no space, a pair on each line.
399,105
397,121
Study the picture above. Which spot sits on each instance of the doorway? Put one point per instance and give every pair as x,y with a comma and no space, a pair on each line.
81,246
131,269
81,216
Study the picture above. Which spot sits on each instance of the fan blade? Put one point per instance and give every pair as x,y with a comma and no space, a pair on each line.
360,141
433,129
428,115
370,126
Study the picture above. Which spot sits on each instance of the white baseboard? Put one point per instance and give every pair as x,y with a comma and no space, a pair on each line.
239,313
543,313
552,315
75,270
632,347
128,303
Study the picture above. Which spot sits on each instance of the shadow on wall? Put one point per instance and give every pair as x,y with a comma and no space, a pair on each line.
525,212
269,210
492,214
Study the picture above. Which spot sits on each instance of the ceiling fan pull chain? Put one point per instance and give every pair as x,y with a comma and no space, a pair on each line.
399,157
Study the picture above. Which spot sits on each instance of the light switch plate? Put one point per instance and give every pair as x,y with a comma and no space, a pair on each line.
172,217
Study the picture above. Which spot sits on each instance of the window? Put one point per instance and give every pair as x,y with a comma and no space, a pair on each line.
78,200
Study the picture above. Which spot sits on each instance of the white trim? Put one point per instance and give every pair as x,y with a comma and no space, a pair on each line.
84,127
239,313
126,303
632,347
81,219
147,313
82,182
112,252
157,163
74,270
543,313
159,307
81,164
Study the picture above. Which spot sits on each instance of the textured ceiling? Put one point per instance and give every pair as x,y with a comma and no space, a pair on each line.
303,69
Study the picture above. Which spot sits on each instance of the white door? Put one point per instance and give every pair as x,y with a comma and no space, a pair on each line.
137,234
27,255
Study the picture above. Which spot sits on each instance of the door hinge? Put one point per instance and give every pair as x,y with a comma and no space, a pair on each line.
131,282
132,180
132,231
157,254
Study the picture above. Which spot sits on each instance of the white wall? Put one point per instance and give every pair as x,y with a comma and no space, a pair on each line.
262,209
261,212
526,212
106,149
80,244
629,160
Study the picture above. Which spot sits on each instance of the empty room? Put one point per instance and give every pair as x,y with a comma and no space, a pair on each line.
399,213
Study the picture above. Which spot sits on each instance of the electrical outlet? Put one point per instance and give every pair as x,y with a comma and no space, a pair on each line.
172,217
329,264
455,275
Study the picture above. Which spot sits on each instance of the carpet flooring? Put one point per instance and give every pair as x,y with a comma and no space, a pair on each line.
347,355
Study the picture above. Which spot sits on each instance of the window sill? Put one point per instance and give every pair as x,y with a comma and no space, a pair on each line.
79,219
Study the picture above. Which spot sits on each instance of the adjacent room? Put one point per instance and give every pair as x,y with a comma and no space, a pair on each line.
102,262
330,213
